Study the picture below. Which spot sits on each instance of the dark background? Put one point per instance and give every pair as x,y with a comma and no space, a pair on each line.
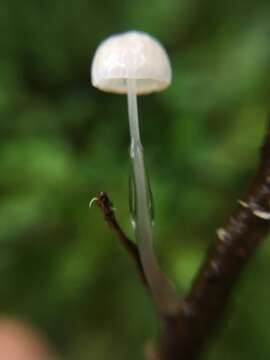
62,141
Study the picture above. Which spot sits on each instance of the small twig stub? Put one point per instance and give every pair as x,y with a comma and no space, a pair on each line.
108,211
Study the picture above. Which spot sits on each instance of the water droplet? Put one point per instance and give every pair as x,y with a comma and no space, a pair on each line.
133,197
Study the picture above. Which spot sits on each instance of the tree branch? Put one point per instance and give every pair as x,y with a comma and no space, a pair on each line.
184,335
107,209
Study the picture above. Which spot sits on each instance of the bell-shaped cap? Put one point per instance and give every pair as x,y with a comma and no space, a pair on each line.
131,55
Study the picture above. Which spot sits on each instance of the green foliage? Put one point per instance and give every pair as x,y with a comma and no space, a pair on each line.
63,141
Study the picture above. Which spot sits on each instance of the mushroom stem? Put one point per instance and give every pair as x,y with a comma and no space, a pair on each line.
162,291
133,112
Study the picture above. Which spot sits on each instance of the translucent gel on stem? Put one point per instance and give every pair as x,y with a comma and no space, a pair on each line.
162,290
133,197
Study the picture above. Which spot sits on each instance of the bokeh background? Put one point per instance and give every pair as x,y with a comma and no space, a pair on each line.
62,141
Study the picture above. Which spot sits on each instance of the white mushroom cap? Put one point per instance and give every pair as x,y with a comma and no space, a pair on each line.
131,55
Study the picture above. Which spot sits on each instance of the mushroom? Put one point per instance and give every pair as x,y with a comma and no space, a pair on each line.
134,63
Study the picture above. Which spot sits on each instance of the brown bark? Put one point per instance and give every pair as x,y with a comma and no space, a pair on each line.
185,333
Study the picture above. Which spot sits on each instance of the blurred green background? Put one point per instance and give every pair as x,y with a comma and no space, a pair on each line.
62,141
